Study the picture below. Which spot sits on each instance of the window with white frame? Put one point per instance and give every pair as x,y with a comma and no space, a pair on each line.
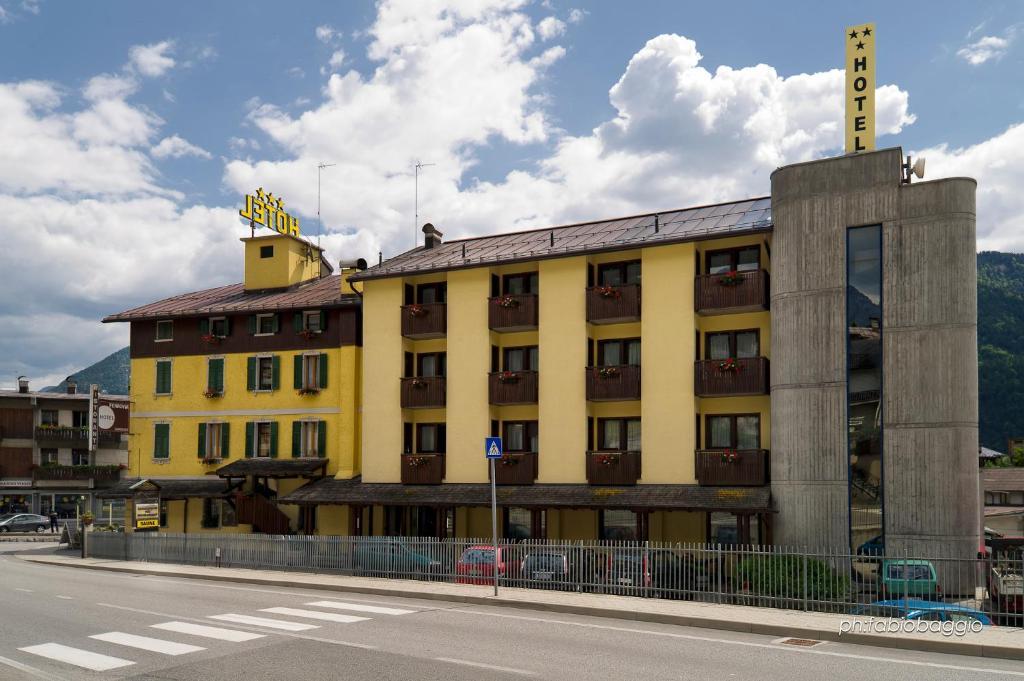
48,456
164,330
311,372
310,438
266,324
212,436
265,373
219,327
311,321
264,438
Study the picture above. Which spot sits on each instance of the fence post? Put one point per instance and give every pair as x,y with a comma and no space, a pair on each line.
805,579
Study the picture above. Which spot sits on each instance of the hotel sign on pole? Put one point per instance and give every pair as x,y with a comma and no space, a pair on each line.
267,210
860,88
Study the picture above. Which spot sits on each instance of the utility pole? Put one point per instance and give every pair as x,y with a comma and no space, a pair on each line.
416,216
319,168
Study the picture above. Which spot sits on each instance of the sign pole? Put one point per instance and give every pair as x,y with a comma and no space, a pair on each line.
494,526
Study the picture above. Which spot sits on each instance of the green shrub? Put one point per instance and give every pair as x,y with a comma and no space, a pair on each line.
783,577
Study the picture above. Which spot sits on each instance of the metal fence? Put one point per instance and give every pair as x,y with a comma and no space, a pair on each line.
771,576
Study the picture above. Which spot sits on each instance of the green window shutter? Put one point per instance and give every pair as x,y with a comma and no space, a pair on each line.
161,440
250,436
250,375
277,323
323,320
298,371
227,326
159,377
215,378
202,440
322,378
321,439
225,441
276,380
297,321
273,438
252,324
220,375
296,439
204,327
163,377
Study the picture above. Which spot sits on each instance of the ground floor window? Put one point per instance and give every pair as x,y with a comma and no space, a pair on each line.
617,525
419,521
524,523
730,529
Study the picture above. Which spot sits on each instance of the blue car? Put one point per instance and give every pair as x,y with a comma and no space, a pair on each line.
916,609
872,548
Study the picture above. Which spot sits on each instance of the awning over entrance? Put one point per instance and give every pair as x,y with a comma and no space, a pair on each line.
651,497
274,468
173,488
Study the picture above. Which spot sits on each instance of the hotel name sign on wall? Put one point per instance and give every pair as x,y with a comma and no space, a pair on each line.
860,88
267,210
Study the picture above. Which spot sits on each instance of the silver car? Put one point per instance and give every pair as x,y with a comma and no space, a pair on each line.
24,522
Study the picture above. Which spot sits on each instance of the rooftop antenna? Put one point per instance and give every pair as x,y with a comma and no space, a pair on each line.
416,217
319,225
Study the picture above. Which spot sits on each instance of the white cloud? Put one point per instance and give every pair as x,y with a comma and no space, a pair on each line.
242,143
296,72
109,86
169,96
577,15
152,60
987,48
334,63
550,27
325,33
177,147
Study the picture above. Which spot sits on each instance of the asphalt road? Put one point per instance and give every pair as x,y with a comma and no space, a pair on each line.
54,620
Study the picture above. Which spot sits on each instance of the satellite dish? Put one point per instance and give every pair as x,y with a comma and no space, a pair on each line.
918,168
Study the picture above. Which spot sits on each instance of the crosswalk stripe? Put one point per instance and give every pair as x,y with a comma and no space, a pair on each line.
77,657
218,633
264,622
316,615
359,607
155,645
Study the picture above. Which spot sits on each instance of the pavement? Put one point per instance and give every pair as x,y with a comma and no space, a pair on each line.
991,642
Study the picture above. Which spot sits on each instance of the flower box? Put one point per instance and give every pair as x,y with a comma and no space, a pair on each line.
308,391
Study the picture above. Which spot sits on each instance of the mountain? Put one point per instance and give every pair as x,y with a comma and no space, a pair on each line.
1000,347
110,373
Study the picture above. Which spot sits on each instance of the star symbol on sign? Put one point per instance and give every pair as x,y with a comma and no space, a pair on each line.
270,199
853,35
280,203
866,32
860,46
259,193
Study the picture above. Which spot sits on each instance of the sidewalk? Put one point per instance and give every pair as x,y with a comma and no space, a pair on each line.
995,642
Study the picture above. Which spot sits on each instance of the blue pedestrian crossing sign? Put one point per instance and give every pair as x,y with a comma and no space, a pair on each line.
492,447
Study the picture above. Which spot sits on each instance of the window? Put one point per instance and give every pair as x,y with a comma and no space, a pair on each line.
309,438
519,525
619,434
432,364
261,439
48,456
733,432
620,525
517,284
213,441
164,330
619,352
265,324
520,436
430,438
219,327
48,417
311,371
163,377
79,457
732,344
211,513
264,373
79,419
163,514
738,259
432,293
162,441
521,359
314,321
618,273
215,375
266,252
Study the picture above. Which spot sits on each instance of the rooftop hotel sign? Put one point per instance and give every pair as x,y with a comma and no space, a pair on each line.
860,88
267,210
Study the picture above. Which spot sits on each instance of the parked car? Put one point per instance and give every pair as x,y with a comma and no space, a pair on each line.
574,569
1005,566
657,573
477,564
872,548
24,522
916,609
909,579
389,556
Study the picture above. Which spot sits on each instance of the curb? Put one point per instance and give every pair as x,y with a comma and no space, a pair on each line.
29,538
944,646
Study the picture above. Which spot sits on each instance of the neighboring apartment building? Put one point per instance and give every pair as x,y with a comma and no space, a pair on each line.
243,393
798,369
1003,499
45,460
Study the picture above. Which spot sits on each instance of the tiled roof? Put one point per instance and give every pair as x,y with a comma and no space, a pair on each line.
688,224
272,468
325,292
172,488
679,497
1002,479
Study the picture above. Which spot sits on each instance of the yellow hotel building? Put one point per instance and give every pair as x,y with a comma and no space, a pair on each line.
624,363
241,394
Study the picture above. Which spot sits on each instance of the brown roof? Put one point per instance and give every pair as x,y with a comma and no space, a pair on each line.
272,468
1002,479
172,488
688,224
677,497
324,292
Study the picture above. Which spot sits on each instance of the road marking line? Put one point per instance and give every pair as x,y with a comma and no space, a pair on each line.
77,657
751,644
315,615
481,665
264,622
361,608
38,673
154,645
28,591
65,598
218,633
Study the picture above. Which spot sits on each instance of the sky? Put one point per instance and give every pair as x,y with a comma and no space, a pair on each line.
129,132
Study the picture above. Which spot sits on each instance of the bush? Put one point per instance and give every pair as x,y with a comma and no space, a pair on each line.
783,577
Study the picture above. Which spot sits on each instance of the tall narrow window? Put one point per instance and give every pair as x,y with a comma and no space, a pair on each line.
163,377
521,359
162,441
309,439
215,375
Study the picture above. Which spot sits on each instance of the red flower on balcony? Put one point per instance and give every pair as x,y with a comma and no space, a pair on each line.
730,365
508,301
417,311
508,460
308,391
419,383
609,292
416,461
730,456
730,278
210,392
607,459
210,339
508,377
122,466
608,372
309,334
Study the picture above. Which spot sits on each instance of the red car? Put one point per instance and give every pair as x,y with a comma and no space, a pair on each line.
476,565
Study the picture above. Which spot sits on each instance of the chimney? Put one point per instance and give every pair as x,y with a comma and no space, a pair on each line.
72,385
22,385
431,237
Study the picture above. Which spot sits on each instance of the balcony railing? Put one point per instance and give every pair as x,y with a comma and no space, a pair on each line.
732,467
512,312
613,467
423,392
61,434
422,469
613,383
424,320
512,387
734,376
613,304
726,293
98,473
516,469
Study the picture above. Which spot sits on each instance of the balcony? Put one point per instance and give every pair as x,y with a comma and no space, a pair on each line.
422,469
516,469
98,473
512,312
67,434
730,293
613,467
426,320
613,304
424,392
512,387
732,467
606,384
731,377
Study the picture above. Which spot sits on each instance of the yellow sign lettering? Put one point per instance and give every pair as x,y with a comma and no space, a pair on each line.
860,87
266,210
